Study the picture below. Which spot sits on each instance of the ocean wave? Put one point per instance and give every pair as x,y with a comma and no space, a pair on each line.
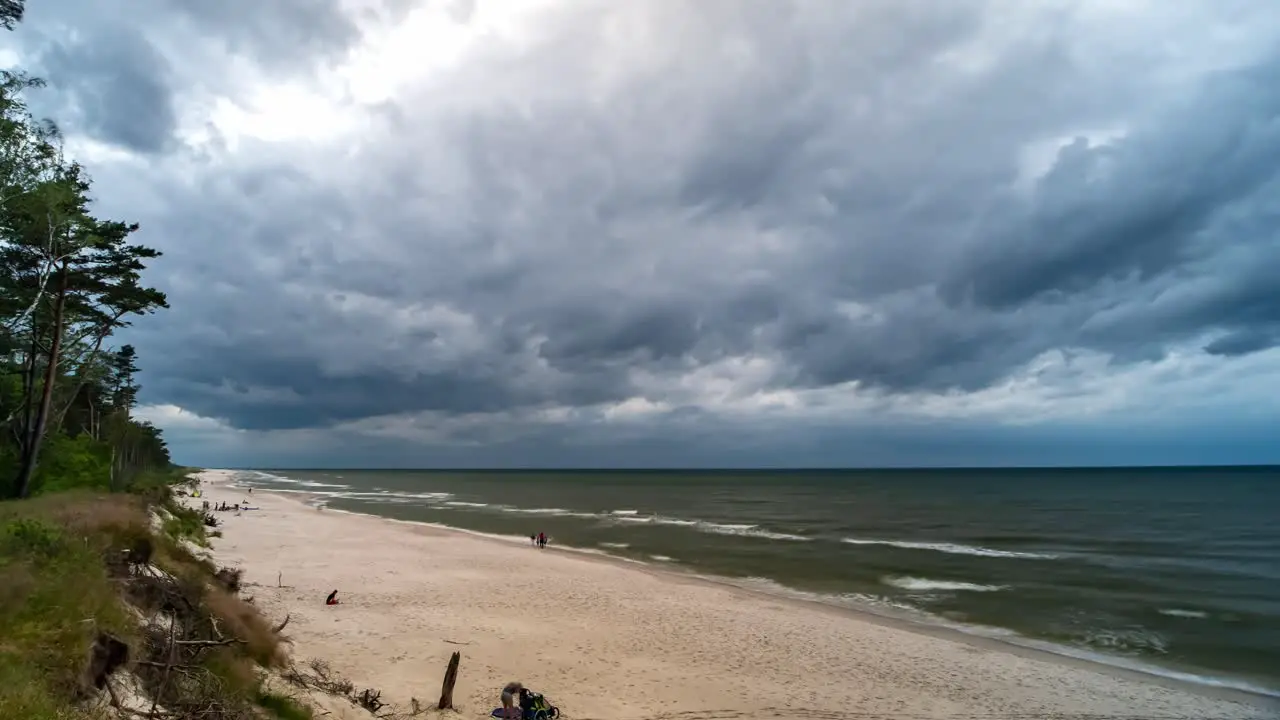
615,545
713,528
388,496
266,476
460,503
952,548
549,512
753,531
1175,612
927,585
675,522
317,484
624,512
1135,640
874,604
662,558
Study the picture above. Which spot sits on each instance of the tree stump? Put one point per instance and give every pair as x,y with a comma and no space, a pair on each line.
450,678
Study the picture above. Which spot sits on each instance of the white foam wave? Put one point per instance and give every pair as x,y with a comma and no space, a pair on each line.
749,531
952,548
538,511
674,522
875,604
389,496
1134,640
460,503
740,530
927,585
1179,613
662,558
624,512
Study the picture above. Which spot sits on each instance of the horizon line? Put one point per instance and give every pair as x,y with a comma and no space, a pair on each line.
767,469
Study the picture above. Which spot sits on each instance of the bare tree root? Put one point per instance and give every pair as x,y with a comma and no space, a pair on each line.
198,650
318,676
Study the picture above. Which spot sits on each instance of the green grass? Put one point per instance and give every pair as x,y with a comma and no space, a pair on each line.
55,596
283,707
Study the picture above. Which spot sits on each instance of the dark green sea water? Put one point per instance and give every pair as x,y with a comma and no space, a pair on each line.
1173,571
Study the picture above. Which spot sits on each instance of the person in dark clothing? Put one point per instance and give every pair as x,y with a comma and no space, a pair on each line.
332,599
542,540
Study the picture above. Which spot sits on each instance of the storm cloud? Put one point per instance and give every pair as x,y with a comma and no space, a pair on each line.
566,224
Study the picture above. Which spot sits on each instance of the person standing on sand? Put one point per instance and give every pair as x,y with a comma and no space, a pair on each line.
509,706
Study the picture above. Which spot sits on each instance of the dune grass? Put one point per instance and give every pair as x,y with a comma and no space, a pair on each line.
57,594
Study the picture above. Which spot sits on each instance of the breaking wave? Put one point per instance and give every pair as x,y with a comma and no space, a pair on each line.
952,548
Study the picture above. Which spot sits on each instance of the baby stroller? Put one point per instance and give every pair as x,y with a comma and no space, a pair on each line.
533,706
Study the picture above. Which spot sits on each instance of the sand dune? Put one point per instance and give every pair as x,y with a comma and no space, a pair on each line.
608,640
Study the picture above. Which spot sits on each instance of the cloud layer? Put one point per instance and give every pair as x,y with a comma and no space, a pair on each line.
438,230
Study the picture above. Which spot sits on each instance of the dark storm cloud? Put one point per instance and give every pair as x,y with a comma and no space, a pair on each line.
1136,206
277,32
115,86
841,190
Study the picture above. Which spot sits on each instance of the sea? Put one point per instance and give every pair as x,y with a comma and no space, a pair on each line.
1174,572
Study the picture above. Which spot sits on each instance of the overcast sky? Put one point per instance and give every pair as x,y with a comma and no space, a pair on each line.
690,232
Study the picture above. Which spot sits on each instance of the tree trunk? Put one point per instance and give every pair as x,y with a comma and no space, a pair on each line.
31,453
29,385
81,379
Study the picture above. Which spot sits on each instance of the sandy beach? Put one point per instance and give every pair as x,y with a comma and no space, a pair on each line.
610,640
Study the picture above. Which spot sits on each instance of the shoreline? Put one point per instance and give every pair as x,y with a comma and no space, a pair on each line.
1027,647
1232,701
991,637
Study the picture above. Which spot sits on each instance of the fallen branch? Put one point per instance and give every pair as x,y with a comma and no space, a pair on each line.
208,643
370,700
280,627
164,682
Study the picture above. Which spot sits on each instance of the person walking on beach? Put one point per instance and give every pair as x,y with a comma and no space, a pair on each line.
509,707
542,541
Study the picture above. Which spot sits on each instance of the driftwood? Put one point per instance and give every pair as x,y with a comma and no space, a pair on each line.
370,700
450,679
280,627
